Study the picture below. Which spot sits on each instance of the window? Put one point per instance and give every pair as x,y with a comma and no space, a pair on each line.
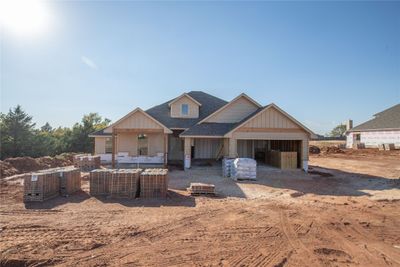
108,146
185,109
358,137
143,145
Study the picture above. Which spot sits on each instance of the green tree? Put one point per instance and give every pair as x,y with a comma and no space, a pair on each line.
16,133
79,139
338,131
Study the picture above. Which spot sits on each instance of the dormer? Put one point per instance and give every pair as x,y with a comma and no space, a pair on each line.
184,106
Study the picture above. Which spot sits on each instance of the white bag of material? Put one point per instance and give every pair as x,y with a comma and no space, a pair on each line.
226,167
244,168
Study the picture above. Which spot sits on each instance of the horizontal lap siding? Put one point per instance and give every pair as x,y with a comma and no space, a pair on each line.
206,148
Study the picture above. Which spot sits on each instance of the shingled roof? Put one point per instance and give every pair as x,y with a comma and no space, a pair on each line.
209,104
387,119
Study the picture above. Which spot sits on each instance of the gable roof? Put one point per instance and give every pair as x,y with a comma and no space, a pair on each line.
208,129
184,95
272,105
100,133
166,130
209,104
387,119
230,103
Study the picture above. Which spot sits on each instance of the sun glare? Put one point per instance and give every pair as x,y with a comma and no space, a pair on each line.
24,17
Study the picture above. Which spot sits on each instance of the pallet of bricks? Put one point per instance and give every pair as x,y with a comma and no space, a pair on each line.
125,183
47,184
201,189
154,183
87,162
115,183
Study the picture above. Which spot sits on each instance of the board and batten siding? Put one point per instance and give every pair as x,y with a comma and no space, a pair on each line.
137,120
271,124
128,142
100,145
206,148
176,108
234,111
271,118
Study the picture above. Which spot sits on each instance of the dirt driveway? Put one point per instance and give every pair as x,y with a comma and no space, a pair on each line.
285,218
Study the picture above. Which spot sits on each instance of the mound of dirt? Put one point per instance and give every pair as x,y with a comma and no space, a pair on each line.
332,150
13,166
314,149
6,169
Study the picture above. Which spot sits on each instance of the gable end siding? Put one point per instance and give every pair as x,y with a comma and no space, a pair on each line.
176,108
234,112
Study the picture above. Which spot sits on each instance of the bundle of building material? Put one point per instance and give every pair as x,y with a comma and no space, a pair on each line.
46,184
389,146
99,182
282,160
125,183
40,186
226,167
381,146
87,162
201,189
244,169
154,183
70,180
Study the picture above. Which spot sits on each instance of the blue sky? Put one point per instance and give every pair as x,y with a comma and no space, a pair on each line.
322,62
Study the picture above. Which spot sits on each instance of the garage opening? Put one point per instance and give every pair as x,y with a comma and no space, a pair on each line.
269,152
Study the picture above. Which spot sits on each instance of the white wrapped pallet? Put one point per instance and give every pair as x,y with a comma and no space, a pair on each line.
244,168
226,167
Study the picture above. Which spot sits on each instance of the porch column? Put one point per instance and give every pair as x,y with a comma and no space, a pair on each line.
113,149
165,150
187,153
232,147
304,154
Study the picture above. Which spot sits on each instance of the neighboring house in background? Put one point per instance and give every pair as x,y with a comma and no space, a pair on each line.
384,128
197,125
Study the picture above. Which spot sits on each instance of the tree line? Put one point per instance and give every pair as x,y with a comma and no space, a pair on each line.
20,137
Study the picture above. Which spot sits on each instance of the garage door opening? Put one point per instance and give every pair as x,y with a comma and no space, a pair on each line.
269,152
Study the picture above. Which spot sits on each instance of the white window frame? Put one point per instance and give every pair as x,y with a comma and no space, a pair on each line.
182,108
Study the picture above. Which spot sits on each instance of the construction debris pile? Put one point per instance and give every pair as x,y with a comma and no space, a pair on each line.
239,168
314,149
201,189
129,183
87,162
332,150
154,183
47,184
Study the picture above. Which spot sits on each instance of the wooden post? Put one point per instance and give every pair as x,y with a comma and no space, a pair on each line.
113,149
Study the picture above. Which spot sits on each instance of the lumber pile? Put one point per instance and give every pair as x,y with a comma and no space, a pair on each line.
201,189
154,183
46,184
87,162
282,160
244,169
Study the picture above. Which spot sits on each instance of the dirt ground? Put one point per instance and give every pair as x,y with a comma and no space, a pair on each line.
345,214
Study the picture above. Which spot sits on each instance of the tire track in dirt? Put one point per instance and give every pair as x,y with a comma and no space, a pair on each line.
293,239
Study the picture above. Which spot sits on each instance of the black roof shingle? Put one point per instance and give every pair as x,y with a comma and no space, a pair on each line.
387,119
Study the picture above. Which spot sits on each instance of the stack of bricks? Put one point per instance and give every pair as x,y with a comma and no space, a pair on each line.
41,186
125,183
201,189
87,162
70,180
46,184
100,182
154,183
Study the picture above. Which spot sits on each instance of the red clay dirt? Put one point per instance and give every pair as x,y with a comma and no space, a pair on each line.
285,218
